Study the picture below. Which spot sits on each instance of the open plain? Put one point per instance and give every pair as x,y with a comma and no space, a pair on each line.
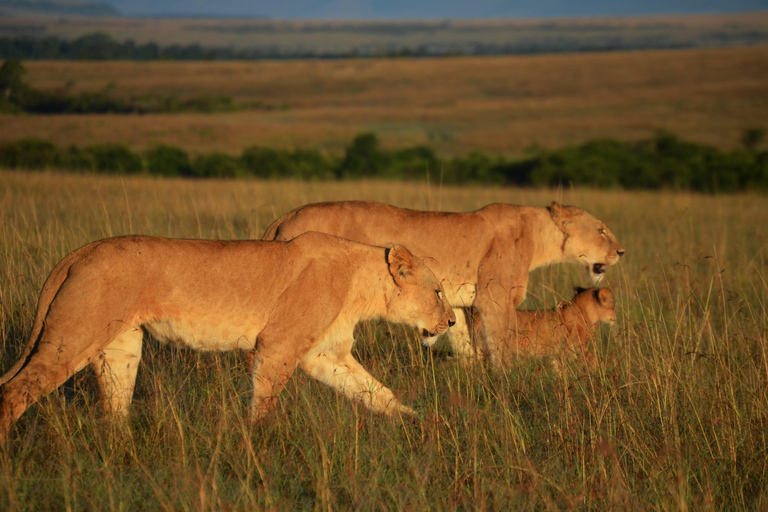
499,105
674,418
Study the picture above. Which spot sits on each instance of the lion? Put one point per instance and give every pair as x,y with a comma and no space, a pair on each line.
482,258
567,329
292,303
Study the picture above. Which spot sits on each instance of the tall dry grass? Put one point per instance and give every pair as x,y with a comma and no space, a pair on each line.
675,418
496,104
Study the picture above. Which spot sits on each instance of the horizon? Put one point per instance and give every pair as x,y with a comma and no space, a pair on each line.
428,10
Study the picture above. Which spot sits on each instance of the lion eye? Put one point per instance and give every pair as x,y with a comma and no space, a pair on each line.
602,232
439,294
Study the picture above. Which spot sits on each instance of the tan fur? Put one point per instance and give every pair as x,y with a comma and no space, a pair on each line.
482,257
291,303
567,329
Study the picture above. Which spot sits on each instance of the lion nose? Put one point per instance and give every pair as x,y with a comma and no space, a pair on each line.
620,252
451,323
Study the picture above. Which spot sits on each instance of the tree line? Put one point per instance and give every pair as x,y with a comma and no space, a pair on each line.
663,161
550,39
17,97
101,46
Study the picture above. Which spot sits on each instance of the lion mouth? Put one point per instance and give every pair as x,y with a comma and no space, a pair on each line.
597,272
427,338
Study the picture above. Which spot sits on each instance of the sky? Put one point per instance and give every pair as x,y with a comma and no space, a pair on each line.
429,9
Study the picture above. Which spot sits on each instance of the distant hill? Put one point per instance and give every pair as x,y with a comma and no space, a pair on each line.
56,7
427,9
44,36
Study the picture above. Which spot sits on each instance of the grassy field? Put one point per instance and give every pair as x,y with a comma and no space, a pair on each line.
500,105
675,418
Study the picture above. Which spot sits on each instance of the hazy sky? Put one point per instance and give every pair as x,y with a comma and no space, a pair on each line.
435,9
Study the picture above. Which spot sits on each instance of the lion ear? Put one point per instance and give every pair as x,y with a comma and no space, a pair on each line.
561,216
603,296
401,262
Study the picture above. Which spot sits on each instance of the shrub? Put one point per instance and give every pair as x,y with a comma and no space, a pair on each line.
663,161
29,154
362,159
168,161
266,162
475,167
77,159
217,165
311,164
115,158
416,163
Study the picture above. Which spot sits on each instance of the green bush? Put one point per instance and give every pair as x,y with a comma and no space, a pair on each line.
475,167
16,97
77,159
115,158
266,162
217,165
31,153
662,161
362,159
416,163
311,165
167,161
600,163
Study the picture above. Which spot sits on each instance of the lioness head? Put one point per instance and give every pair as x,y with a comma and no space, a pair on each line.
420,300
597,304
588,241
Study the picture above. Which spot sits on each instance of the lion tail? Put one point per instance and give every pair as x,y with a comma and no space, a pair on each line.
50,289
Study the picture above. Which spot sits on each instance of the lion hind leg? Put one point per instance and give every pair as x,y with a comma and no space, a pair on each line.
347,376
51,287
66,346
42,373
116,368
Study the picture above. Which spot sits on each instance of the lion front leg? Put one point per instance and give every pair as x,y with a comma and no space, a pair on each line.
269,374
347,376
460,339
496,325
498,295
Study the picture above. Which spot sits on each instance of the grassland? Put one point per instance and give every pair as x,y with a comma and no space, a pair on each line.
494,104
675,418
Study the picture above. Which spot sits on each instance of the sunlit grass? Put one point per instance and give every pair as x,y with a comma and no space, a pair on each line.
675,417
498,105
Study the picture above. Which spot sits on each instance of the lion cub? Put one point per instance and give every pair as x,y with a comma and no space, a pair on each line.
566,329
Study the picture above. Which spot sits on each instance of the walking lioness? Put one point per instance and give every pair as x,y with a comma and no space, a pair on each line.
293,303
566,329
482,257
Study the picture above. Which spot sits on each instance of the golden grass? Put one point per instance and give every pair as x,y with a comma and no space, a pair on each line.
675,418
494,104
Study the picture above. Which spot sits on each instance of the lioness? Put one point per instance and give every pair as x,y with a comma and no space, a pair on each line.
568,328
293,303
481,257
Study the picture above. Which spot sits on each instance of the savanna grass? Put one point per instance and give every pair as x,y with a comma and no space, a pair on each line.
504,105
675,418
